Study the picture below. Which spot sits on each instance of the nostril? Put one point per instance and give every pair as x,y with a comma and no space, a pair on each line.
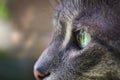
38,75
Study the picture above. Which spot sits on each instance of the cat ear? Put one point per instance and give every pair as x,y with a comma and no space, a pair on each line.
54,3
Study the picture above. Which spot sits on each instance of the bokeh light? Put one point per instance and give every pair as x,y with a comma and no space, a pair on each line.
25,30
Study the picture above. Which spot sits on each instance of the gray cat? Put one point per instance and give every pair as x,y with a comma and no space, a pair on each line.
86,42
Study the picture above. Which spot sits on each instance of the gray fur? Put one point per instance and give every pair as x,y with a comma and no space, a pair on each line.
100,60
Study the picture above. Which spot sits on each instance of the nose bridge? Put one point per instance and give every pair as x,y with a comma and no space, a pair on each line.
46,59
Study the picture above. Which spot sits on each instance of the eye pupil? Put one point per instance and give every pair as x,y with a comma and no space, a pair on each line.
83,39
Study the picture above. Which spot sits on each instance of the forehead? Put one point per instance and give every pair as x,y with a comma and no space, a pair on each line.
104,14
70,9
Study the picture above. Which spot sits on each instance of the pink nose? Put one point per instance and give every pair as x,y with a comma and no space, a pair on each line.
38,75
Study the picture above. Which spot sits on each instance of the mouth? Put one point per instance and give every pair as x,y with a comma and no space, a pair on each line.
39,78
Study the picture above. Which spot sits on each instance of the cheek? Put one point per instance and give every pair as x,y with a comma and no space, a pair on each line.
82,60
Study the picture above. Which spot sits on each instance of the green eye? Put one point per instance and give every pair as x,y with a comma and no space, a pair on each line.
83,39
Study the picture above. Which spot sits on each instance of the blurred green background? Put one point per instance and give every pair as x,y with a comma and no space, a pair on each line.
25,30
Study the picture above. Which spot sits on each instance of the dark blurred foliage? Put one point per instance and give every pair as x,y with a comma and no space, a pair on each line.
25,30
3,9
12,68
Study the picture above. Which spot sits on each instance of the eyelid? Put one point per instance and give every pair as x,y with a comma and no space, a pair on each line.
77,29
81,26
81,30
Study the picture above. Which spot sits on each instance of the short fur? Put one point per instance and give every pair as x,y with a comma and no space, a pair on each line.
100,60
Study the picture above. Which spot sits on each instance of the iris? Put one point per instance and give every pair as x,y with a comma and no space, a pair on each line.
83,39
